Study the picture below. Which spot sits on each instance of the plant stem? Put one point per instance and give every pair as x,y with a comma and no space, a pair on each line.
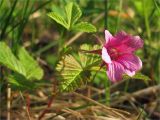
54,94
106,83
47,109
107,92
126,86
8,102
47,47
73,38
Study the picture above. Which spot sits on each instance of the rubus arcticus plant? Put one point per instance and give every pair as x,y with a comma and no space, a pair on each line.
117,54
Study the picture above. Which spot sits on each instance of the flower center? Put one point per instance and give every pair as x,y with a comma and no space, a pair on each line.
113,53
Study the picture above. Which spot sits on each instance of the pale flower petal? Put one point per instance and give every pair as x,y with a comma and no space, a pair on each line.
108,36
105,56
130,73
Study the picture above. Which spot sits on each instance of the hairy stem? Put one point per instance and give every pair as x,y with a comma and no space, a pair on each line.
47,109
49,103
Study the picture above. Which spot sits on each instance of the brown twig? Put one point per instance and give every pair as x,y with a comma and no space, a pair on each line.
26,104
111,110
8,102
73,112
139,94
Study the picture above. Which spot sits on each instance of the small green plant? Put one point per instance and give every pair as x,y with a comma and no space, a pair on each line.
75,70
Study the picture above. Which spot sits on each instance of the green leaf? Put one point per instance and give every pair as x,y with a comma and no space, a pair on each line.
73,13
141,76
69,17
76,71
84,27
138,75
57,9
19,82
33,70
59,19
8,59
23,64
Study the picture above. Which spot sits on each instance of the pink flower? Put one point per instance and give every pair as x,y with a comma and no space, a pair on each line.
118,55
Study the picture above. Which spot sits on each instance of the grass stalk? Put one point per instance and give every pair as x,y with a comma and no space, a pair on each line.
119,14
156,5
47,47
24,20
8,19
1,2
146,20
19,23
106,14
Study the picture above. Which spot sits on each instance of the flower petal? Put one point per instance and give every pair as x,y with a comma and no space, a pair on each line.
108,36
130,73
130,62
126,43
105,56
115,71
